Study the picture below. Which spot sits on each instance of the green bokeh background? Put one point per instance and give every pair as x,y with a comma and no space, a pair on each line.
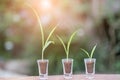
19,26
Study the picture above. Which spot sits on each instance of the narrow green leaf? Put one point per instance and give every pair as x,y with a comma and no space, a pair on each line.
50,34
63,44
41,28
69,42
47,44
93,50
85,52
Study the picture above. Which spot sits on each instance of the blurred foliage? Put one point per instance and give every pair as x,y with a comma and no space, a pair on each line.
19,27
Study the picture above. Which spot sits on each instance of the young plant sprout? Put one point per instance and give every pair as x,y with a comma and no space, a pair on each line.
47,42
92,52
67,48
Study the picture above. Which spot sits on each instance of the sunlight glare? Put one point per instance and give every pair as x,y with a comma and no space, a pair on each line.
45,4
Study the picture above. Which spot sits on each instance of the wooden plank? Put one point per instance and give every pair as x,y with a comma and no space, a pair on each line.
75,77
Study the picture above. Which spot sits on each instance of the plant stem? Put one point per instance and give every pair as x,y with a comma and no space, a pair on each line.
42,55
67,55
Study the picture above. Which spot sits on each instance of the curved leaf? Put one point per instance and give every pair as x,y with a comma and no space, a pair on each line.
93,50
41,28
69,42
85,52
63,44
47,44
51,34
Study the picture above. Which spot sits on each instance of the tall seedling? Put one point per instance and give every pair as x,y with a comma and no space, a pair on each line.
47,42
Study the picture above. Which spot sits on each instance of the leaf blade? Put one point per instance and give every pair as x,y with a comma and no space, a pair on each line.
85,52
93,50
41,28
51,34
69,42
63,44
46,45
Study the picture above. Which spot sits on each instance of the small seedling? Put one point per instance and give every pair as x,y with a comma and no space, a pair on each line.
92,52
67,48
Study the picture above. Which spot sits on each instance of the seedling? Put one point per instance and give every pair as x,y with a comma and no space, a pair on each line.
92,52
67,47
47,42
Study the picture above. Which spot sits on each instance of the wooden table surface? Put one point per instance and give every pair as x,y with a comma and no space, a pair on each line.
75,77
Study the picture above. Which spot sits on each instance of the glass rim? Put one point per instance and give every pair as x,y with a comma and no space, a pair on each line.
89,58
42,60
69,59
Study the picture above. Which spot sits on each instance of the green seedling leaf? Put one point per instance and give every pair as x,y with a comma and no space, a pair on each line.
46,43
50,34
93,50
90,55
41,28
66,48
69,42
45,46
63,44
85,52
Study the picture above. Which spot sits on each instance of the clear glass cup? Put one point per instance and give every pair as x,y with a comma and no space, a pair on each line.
67,68
90,67
43,69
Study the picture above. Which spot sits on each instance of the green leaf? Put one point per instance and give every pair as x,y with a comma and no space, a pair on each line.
69,42
51,34
85,52
63,44
46,45
41,28
93,50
